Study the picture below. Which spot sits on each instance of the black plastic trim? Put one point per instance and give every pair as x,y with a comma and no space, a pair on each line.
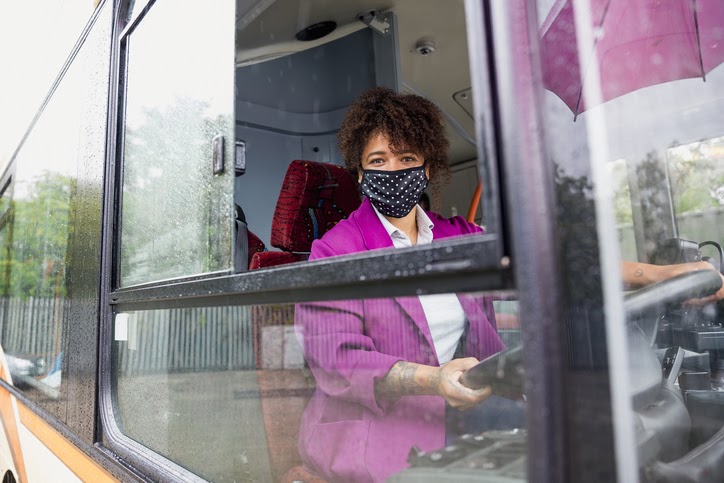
529,215
453,266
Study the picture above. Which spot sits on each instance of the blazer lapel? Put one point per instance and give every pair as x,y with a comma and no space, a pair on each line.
414,310
375,237
373,233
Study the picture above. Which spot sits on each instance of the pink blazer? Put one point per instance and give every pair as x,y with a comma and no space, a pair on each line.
345,435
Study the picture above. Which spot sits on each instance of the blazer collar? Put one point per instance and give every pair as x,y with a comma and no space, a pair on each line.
373,233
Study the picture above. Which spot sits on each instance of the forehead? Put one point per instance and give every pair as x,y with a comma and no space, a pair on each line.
381,142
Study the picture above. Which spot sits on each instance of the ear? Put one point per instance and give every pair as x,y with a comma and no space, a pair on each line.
427,171
359,175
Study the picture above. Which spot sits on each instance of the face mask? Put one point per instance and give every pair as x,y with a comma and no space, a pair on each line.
394,193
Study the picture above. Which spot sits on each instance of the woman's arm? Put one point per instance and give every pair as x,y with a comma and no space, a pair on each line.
408,378
635,275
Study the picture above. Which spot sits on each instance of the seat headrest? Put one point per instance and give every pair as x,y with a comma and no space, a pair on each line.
314,197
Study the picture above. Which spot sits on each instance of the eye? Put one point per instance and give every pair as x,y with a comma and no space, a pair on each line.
376,161
409,159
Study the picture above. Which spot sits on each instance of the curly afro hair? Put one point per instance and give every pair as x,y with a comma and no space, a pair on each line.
410,122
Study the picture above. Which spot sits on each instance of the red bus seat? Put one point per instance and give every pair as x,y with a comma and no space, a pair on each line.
313,198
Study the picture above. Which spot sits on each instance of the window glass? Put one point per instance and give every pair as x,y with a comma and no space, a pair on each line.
623,209
633,124
696,176
32,64
176,214
169,364
41,224
283,385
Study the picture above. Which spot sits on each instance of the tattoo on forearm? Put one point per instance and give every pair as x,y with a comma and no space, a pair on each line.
435,379
638,273
398,382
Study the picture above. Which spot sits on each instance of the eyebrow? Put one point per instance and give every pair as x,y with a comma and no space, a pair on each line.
382,153
376,153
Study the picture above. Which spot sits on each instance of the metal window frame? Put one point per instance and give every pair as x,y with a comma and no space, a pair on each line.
529,210
476,263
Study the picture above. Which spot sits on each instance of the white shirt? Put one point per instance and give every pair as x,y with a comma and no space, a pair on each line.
444,314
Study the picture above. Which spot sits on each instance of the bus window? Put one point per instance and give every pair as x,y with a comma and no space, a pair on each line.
633,128
45,228
622,206
35,66
265,375
171,363
177,143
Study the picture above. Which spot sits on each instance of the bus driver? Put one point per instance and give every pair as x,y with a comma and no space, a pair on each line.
385,368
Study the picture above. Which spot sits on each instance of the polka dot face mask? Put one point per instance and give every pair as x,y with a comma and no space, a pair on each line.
394,193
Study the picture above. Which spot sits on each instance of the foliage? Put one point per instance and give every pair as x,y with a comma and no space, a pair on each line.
39,228
621,194
697,177
169,214
578,237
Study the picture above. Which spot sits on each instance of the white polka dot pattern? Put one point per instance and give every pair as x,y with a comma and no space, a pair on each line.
394,193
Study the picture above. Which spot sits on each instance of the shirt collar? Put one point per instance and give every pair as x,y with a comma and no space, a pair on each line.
424,226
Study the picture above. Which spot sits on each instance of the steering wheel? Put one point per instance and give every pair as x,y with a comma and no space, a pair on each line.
672,292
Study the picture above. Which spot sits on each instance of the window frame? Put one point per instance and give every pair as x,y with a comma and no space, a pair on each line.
464,264
484,258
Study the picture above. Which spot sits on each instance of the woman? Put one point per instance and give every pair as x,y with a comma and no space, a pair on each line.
386,368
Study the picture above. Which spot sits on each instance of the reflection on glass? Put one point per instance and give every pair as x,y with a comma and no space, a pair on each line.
285,385
174,362
623,209
696,172
35,305
176,216
641,106
40,223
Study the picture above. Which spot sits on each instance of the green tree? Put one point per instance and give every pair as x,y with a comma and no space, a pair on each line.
697,179
40,228
172,206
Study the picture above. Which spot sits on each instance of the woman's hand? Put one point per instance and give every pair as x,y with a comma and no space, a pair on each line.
407,378
447,382
688,267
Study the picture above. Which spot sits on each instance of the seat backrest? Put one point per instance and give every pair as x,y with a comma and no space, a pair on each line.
314,197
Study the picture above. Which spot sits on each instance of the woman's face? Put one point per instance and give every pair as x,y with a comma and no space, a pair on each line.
377,155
